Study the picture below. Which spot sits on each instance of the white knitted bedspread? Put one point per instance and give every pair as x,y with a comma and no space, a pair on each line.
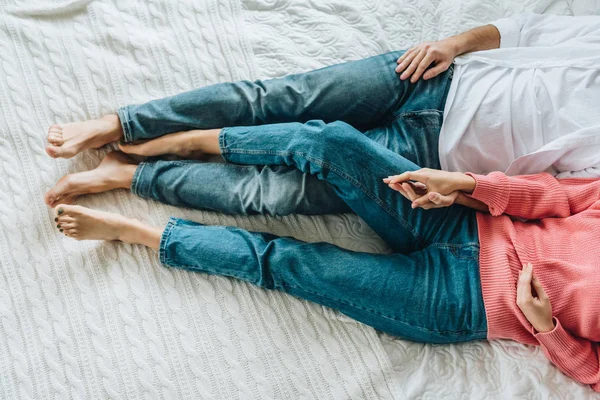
104,320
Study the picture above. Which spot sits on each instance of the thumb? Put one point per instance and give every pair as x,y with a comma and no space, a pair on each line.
440,200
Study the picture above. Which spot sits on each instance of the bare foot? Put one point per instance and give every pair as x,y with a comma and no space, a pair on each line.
67,140
114,172
186,144
85,224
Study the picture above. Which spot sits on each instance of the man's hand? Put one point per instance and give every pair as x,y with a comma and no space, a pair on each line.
535,306
418,194
439,55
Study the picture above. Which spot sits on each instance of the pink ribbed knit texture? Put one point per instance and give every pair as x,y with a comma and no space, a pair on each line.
563,244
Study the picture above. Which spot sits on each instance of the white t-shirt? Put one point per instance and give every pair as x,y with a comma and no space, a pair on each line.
532,105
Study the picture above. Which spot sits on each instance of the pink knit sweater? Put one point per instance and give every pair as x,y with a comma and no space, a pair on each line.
563,243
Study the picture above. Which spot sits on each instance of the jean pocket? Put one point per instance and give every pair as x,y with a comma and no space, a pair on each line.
465,251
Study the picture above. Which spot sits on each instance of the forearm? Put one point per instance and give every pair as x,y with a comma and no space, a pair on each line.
481,38
472,203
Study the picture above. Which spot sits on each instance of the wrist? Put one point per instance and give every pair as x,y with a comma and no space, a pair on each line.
456,44
545,327
465,183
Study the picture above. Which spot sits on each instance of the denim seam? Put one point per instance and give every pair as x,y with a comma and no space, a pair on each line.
192,268
454,247
136,178
322,163
123,114
224,165
442,332
403,114
163,240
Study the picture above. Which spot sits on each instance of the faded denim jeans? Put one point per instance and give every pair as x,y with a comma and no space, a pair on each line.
367,94
428,290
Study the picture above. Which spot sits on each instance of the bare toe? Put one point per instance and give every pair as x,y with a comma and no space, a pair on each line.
64,219
55,135
89,224
69,139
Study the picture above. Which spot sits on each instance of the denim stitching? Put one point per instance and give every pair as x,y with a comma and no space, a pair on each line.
382,315
191,268
163,240
322,163
123,114
136,178
401,114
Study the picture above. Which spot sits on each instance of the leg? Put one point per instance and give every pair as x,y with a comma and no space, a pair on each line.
227,188
354,166
431,296
413,132
236,189
362,92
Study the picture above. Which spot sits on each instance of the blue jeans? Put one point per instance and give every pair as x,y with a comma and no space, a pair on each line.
367,94
428,290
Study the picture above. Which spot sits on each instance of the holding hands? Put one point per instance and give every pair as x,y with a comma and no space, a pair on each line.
430,188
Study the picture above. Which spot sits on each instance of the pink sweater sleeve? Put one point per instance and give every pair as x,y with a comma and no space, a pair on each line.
535,196
578,358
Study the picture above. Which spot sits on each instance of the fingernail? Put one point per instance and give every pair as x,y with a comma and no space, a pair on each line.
58,226
56,219
61,230
60,211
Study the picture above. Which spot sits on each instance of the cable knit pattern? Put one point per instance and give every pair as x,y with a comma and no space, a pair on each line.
106,320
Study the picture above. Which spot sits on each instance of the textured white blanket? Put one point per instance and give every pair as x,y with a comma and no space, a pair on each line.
105,320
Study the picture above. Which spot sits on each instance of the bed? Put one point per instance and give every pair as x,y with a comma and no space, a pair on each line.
105,320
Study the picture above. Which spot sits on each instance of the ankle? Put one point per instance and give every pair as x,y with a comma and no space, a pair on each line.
133,231
207,141
116,129
126,230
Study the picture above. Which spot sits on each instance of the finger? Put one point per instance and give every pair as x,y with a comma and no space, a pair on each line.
426,62
418,188
406,54
422,201
398,188
412,196
406,62
413,65
537,285
436,70
439,199
524,285
406,176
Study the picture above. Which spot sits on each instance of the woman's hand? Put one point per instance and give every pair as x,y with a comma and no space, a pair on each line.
417,59
431,187
420,197
534,305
